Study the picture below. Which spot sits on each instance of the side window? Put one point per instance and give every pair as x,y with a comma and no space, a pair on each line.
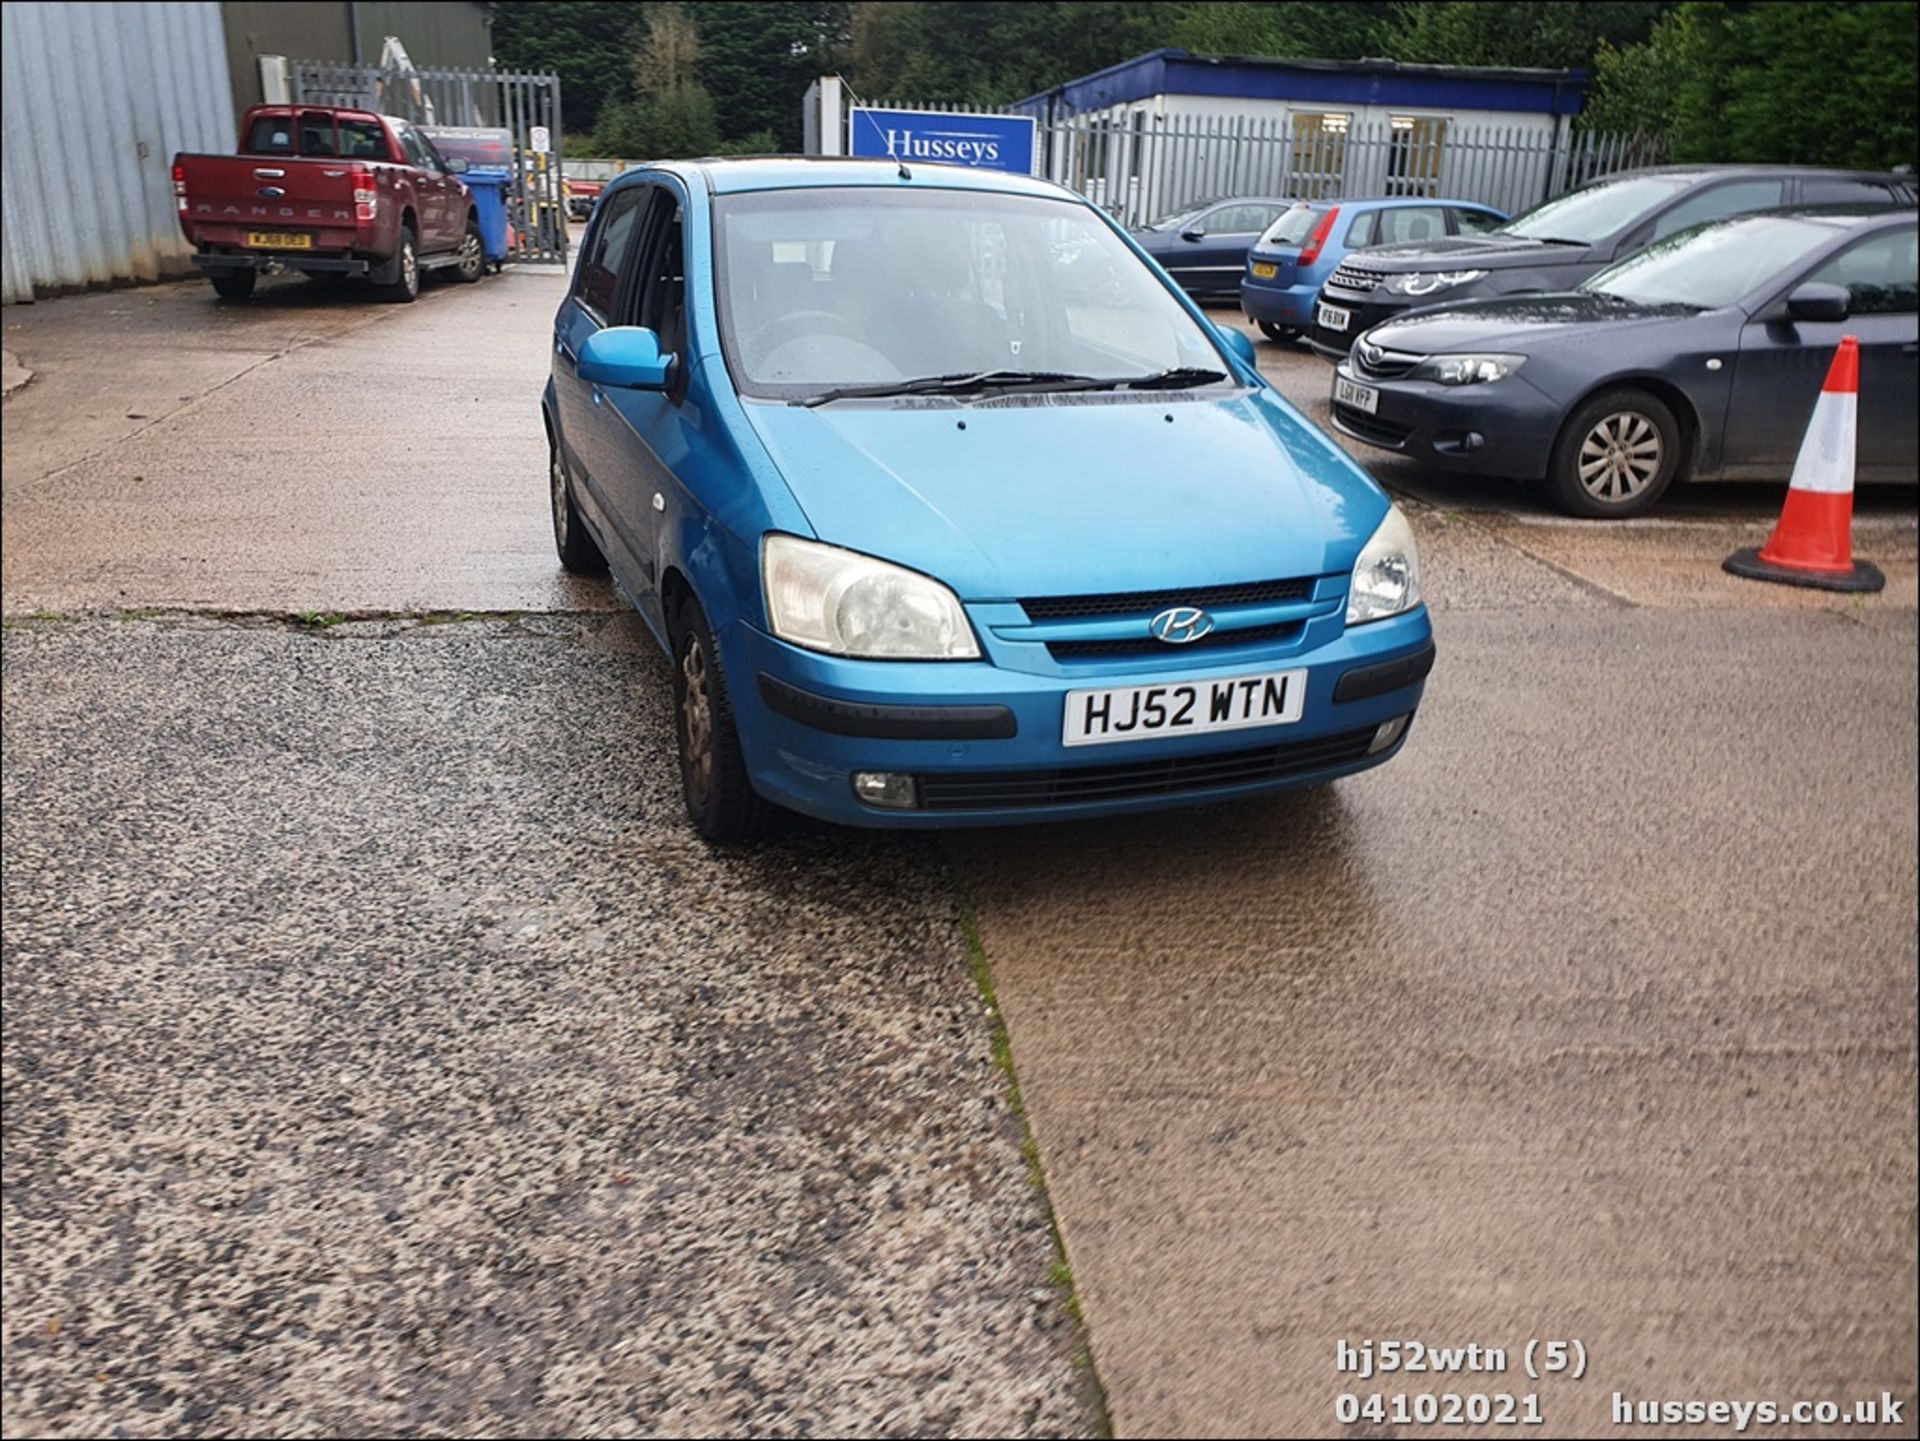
1737,197
662,288
362,140
417,153
608,252
1836,190
1882,271
1361,232
1237,219
1475,222
1410,224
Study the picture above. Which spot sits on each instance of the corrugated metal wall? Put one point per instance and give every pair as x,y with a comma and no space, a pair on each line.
96,99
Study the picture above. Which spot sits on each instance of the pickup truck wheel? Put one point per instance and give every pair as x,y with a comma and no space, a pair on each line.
721,800
473,255
404,288
234,284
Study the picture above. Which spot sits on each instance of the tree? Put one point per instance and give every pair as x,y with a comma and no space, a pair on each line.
1319,32
665,60
1556,34
757,60
586,45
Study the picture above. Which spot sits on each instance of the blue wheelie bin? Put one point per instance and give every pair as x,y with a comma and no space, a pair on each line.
488,184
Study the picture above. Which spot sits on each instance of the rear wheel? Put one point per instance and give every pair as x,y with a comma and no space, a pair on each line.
404,285
473,254
579,552
721,801
233,284
1616,456
1279,334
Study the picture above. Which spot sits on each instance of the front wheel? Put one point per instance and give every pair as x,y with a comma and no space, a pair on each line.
1615,457
721,801
473,255
233,284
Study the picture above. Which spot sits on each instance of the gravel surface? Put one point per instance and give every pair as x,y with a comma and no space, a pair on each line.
385,1057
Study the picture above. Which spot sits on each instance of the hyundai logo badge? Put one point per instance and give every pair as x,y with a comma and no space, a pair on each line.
1180,625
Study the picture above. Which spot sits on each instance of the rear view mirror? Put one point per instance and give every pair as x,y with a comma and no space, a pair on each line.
625,356
1236,341
1818,301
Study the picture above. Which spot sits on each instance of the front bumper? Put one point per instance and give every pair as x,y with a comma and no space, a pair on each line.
1367,311
1504,428
983,742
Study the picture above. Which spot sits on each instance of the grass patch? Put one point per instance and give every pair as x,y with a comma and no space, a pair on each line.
1060,1272
318,619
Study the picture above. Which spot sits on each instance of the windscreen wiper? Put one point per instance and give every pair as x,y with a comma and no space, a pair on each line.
960,382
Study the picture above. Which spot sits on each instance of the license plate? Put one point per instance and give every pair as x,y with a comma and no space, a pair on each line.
279,240
1264,271
1352,392
1332,317
1180,708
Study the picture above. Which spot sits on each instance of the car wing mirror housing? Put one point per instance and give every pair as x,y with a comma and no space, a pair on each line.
627,357
1817,300
1236,341
1194,232
457,166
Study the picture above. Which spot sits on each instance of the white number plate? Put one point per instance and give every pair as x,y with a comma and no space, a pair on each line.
1332,317
1179,708
1352,392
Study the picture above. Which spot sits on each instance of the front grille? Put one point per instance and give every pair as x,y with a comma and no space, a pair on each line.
1354,278
1381,363
1151,602
1147,645
1372,427
1124,780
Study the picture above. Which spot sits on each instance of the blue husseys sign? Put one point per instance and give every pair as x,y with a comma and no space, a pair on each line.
986,142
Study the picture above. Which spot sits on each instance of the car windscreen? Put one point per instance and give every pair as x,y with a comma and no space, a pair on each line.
830,287
1715,264
1594,211
1295,226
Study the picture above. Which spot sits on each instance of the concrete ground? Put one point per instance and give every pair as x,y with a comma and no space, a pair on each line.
350,970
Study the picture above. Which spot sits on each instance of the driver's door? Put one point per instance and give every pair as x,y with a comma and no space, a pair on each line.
1783,363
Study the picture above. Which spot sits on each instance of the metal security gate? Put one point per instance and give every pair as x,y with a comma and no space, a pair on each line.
522,111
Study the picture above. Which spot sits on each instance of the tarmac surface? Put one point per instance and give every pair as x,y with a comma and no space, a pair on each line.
349,969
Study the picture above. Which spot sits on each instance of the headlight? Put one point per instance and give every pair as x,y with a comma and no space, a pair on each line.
840,601
1386,578
1466,369
1425,282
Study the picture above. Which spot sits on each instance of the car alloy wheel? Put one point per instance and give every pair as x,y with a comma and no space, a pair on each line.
562,502
1620,457
409,269
696,720
472,258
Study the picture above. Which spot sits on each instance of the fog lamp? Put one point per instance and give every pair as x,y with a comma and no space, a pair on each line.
887,789
1389,732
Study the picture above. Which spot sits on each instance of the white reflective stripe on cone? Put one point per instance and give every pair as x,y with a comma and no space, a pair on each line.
1825,462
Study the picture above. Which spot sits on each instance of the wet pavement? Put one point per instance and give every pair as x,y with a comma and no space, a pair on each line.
357,966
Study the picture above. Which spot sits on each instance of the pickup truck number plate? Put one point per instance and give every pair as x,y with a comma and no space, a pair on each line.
279,240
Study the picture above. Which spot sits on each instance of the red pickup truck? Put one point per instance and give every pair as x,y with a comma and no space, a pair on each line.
327,191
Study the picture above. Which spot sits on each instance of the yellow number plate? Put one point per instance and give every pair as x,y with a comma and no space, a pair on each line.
279,240
1263,271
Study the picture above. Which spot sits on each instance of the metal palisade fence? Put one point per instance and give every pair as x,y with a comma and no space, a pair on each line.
1139,167
490,117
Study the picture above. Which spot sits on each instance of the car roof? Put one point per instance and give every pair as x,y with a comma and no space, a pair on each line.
734,174
1839,217
1397,202
1721,172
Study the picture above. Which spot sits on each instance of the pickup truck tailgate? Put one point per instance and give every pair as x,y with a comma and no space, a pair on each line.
254,201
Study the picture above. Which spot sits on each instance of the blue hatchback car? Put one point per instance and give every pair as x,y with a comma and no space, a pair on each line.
1288,265
932,541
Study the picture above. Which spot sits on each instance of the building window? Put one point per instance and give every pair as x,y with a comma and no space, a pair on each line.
1414,143
1317,163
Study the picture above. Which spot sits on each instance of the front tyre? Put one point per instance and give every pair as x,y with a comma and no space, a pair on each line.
721,801
1616,455
234,284
578,550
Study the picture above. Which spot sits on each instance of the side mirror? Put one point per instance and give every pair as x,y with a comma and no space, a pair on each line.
1818,301
1193,232
1236,341
627,357
457,166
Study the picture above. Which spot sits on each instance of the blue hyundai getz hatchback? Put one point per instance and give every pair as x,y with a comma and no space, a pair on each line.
934,536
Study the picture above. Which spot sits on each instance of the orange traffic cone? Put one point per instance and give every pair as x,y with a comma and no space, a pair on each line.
1813,542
